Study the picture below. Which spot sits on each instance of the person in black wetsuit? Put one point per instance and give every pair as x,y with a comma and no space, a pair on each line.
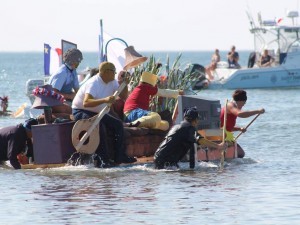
180,139
14,140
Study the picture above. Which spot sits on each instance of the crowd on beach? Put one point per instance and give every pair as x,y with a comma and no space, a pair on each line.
66,99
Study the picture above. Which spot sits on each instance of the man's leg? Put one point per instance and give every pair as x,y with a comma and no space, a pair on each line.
116,126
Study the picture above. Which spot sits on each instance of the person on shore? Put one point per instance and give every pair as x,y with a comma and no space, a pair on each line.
91,98
14,140
136,108
234,110
233,58
181,139
265,59
215,58
65,80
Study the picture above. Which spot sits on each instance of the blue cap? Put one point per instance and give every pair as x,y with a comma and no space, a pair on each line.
28,123
191,113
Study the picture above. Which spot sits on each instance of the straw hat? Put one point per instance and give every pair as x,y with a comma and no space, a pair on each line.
149,78
46,96
132,58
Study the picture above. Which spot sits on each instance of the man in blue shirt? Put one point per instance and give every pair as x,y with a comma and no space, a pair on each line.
233,58
65,80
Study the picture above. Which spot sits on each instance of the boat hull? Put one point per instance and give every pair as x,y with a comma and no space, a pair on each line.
274,77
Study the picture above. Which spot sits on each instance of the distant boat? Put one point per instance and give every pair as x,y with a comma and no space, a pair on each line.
282,43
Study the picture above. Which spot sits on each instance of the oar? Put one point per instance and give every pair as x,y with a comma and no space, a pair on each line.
175,112
98,118
247,126
224,136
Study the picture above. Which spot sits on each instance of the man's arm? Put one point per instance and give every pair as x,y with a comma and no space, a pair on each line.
168,93
67,96
208,143
90,101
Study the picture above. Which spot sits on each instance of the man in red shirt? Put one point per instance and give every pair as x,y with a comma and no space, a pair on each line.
136,108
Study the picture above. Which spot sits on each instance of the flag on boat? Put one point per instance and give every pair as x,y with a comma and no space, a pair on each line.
112,50
52,59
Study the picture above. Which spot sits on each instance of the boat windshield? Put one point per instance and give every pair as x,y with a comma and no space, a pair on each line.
278,39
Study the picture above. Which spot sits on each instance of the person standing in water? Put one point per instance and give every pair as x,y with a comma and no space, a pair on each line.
181,139
234,110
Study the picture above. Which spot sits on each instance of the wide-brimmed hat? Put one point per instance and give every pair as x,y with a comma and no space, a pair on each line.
149,78
46,96
132,58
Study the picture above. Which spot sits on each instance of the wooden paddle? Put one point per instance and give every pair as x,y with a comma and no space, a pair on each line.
91,124
175,112
247,126
224,136
20,111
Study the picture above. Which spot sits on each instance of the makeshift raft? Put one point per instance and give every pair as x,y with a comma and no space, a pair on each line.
52,143
54,146
140,161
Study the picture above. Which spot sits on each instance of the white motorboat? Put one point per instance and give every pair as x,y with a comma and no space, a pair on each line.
283,45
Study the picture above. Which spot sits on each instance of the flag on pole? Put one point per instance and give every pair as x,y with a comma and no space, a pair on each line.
52,59
114,51
47,50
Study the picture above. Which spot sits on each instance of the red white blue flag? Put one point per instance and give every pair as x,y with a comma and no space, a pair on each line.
52,59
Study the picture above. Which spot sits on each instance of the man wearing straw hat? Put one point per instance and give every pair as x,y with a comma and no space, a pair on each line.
136,108
91,99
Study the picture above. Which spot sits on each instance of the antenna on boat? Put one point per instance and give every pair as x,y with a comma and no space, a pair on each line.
250,17
252,24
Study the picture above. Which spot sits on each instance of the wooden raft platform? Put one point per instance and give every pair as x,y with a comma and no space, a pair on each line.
140,161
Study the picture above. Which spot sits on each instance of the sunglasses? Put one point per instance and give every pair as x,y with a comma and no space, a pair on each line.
113,71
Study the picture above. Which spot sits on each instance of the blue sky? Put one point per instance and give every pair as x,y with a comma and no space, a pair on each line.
149,25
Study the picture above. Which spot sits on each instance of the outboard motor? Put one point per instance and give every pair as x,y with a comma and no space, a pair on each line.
197,74
251,60
195,71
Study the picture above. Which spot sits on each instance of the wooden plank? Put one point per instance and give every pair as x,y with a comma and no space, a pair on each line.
44,166
141,160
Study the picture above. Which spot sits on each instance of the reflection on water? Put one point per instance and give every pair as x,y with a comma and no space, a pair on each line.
140,194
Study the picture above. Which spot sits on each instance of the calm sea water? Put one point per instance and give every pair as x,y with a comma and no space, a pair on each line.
262,188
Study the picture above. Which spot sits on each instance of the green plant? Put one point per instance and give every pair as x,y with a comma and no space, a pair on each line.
172,78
